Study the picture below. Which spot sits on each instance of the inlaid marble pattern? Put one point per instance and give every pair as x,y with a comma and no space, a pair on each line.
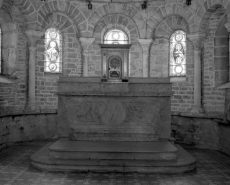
213,168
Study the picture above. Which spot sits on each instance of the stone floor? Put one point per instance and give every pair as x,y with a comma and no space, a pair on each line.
213,168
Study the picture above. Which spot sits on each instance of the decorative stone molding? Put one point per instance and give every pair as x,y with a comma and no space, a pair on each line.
197,40
86,43
145,44
32,38
6,4
227,25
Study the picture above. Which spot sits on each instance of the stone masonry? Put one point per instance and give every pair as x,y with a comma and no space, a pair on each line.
157,23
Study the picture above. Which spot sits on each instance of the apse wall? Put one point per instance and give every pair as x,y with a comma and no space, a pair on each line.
74,20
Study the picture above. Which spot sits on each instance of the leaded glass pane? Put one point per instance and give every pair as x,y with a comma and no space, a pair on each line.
178,54
115,37
53,51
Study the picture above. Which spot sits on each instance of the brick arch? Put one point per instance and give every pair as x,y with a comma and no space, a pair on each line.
68,9
25,6
5,17
28,12
128,11
116,21
168,10
210,9
60,21
169,25
70,43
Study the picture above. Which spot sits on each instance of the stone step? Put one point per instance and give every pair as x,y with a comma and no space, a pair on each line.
114,150
43,161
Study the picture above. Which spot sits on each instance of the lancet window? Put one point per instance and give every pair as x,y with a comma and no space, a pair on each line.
115,36
53,51
177,62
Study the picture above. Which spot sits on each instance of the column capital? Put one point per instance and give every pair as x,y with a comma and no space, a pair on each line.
32,49
33,36
197,39
86,42
9,27
227,25
145,44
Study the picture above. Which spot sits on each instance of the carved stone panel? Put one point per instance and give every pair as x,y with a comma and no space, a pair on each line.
114,118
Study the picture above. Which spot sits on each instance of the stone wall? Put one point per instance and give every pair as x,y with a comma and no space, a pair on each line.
27,127
202,133
157,22
214,65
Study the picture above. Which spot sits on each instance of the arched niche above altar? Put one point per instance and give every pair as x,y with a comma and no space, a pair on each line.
115,62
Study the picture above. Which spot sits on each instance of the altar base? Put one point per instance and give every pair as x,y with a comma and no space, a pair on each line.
110,156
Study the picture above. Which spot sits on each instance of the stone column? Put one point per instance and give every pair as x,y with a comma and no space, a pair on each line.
86,42
32,37
145,44
228,28
197,40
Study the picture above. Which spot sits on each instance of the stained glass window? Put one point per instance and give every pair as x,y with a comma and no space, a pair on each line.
115,37
53,51
178,54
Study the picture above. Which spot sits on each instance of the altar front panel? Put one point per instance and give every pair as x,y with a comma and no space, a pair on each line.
115,111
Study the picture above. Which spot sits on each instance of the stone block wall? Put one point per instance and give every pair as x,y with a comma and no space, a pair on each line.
13,96
157,22
215,64
20,128
203,133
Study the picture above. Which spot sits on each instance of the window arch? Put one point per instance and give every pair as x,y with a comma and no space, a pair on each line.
53,51
115,36
177,63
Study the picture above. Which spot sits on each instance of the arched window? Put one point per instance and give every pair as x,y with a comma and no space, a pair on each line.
177,62
53,51
116,37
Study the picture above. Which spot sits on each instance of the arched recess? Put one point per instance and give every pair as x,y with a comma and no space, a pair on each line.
221,53
116,21
127,10
126,24
44,9
71,44
207,8
171,8
159,52
9,43
71,59
215,62
159,61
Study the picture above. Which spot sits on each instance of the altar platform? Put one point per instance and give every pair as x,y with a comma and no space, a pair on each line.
113,156
114,127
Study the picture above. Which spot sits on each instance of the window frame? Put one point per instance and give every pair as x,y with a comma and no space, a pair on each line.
60,52
175,78
112,29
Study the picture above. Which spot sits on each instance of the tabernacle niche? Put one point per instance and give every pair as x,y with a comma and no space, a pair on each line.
115,62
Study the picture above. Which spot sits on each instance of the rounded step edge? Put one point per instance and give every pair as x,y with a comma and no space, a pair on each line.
42,161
